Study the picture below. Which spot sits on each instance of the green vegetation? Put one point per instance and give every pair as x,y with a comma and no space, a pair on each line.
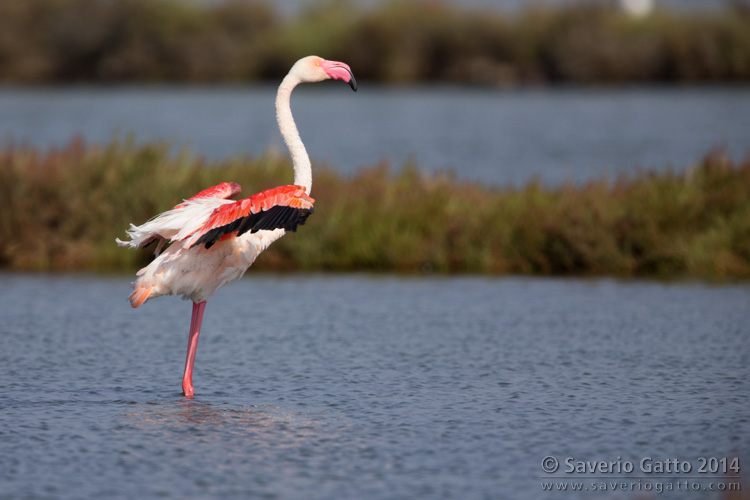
54,41
62,209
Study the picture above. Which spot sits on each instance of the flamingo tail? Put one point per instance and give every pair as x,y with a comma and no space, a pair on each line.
140,295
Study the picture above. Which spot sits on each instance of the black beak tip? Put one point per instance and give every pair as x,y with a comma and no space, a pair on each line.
353,83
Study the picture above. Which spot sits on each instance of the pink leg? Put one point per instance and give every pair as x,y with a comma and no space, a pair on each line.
195,331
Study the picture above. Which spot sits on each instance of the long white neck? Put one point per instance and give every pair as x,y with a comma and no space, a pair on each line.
288,129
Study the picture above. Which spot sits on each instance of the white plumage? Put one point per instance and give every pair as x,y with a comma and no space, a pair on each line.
175,224
197,273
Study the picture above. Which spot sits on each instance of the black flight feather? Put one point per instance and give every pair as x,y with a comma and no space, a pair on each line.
277,217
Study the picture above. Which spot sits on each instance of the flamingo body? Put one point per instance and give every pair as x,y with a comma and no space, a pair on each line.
214,240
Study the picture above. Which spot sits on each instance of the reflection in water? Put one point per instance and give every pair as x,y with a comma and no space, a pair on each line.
202,414
189,411
263,426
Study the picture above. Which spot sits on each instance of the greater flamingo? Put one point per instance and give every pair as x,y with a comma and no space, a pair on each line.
215,240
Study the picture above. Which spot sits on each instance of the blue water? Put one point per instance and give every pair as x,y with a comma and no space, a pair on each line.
500,137
295,7
320,387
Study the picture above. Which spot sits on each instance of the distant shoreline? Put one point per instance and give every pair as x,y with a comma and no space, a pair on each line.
61,210
170,41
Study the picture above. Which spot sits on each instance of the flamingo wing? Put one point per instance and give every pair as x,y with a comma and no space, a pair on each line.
225,190
284,207
167,225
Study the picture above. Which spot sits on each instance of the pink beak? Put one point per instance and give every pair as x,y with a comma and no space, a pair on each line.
340,71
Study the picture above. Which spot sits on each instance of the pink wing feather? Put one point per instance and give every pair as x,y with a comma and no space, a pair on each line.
282,207
224,190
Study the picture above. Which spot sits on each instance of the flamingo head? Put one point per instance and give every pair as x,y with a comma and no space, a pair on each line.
317,69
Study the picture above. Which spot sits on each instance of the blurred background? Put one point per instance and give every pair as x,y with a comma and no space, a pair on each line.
499,95
498,92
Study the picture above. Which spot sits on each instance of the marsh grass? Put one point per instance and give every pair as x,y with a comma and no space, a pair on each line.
62,209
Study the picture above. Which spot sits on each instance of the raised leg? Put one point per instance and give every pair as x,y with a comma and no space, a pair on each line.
195,331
